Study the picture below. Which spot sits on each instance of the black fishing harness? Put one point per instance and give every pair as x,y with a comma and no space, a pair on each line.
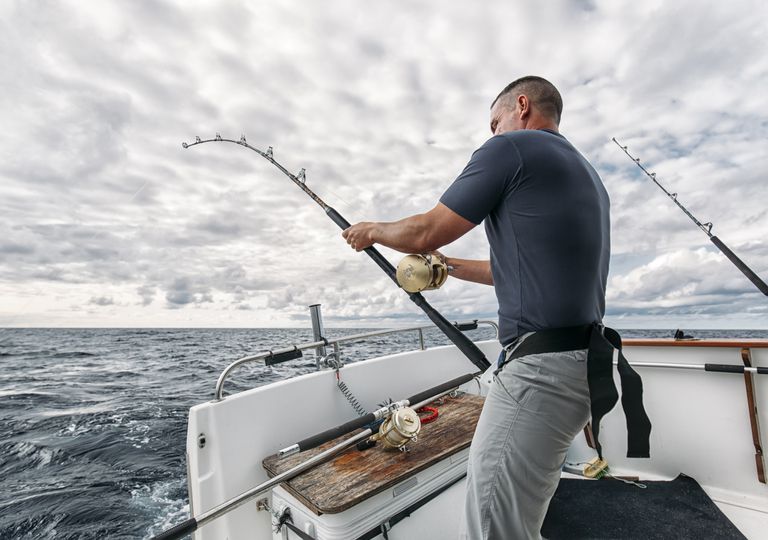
600,342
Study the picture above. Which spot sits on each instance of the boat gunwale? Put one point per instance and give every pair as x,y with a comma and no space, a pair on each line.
721,343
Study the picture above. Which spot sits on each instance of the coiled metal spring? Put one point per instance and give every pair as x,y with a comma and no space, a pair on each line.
351,398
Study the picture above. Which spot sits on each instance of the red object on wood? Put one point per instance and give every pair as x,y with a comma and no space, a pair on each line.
427,419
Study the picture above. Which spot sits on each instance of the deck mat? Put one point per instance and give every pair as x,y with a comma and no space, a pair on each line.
612,509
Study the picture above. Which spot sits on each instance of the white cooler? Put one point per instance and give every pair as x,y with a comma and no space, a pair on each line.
439,518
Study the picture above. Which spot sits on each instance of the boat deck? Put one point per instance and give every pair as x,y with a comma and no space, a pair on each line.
610,508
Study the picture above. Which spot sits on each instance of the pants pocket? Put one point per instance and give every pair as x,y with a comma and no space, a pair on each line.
516,380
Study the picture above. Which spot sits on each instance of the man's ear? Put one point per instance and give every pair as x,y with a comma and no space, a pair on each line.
524,105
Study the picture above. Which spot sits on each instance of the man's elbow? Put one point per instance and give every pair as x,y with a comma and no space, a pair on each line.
426,243
421,236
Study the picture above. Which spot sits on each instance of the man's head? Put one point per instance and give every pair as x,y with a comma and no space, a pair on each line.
528,103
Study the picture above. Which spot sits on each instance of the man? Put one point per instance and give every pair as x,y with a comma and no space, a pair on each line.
546,216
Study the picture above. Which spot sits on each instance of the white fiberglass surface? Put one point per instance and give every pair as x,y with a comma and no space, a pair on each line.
245,428
700,424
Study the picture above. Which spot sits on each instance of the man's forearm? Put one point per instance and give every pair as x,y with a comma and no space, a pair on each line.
409,235
420,233
471,270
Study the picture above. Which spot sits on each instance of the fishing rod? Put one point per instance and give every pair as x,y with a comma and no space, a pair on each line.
462,342
712,368
421,399
706,227
383,412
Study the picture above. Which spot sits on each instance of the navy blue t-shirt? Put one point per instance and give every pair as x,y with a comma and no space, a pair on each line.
546,215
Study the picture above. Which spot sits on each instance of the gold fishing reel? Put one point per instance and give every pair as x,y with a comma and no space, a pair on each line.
416,273
399,429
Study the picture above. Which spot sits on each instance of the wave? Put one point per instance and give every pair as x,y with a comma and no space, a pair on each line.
36,397
25,455
167,500
38,527
72,354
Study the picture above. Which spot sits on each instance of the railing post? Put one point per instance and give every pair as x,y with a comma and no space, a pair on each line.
421,339
318,330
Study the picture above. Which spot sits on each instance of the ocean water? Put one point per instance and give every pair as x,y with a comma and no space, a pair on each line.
93,421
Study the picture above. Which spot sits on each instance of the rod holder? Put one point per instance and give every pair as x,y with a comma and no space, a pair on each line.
318,329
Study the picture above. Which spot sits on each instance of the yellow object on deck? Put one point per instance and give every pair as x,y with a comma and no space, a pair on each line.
596,468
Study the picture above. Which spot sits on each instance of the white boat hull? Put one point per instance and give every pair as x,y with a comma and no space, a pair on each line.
701,427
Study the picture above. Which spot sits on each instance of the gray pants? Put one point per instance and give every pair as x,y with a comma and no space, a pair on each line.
536,406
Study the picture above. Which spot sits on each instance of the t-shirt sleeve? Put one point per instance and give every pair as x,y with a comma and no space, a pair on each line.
484,180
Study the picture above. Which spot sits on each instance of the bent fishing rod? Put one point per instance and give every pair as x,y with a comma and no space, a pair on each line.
706,227
419,400
462,342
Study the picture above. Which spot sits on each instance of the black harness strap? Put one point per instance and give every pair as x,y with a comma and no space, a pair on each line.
638,423
602,390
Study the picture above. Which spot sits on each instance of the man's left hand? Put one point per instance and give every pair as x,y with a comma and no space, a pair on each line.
360,235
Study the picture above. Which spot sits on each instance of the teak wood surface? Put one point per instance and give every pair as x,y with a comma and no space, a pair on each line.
354,475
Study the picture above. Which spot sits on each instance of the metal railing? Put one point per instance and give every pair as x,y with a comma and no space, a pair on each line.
294,351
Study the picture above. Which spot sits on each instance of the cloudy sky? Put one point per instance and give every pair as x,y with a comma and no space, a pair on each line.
108,221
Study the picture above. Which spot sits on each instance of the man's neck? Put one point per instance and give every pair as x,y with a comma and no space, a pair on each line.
541,123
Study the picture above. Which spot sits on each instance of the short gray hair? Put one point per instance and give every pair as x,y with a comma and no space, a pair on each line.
540,91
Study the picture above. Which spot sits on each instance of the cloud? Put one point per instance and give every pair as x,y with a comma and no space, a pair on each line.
183,291
97,190
685,282
147,294
16,249
101,301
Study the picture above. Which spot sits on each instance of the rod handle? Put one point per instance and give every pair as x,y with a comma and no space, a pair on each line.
746,270
464,326
182,529
276,358
724,368
733,368
337,218
439,389
330,434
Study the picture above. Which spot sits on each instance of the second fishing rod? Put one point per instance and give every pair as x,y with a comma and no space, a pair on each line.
750,274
